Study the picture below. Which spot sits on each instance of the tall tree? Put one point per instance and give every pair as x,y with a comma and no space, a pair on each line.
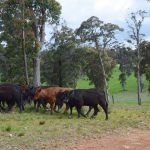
135,24
60,66
102,36
89,59
11,27
35,13
42,11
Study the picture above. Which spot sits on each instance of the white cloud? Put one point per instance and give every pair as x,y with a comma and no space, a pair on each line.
115,11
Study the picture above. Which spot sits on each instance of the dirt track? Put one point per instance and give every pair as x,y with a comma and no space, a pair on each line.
130,140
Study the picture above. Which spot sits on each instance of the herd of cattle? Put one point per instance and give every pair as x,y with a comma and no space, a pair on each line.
19,95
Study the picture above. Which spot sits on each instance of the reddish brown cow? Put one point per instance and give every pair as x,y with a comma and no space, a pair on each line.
50,95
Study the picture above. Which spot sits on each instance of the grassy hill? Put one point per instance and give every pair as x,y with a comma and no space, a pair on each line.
114,83
115,86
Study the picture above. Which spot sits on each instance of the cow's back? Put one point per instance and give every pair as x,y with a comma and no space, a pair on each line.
52,92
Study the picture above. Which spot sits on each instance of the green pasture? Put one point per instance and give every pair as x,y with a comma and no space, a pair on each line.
114,83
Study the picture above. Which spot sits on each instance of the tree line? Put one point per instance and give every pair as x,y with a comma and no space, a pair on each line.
92,49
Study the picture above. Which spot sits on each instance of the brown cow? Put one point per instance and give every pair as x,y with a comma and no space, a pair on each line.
50,95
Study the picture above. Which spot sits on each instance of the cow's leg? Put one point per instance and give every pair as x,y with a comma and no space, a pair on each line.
83,114
3,103
90,108
104,105
66,109
35,103
44,103
70,115
106,111
38,105
96,110
56,108
9,108
80,112
2,108
52,105
19,104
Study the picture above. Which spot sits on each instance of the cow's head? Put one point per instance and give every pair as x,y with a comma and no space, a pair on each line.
62,97
37,93
32,91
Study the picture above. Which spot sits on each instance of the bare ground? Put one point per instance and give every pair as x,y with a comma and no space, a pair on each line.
120,139
133,139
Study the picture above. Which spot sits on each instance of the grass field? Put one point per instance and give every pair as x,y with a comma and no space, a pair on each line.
33,130
38,130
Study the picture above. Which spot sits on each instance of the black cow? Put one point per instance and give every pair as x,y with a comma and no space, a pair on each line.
85,97
11,94
61,99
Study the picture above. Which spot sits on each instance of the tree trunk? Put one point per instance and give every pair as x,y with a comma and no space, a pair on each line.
39,35
103,70
23,48
138,70
149,87
138,85
36,59
60,72
36,71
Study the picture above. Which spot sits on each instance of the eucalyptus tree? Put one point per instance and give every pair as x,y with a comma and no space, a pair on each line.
135,23
26,19
11,29
42,12
102,36
60,64
89,59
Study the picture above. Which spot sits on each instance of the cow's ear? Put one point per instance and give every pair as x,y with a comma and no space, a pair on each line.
39,89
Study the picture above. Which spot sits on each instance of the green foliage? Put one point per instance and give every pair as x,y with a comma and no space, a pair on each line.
145,62
60,64
36,14
84,83
94,71
125,59
102,36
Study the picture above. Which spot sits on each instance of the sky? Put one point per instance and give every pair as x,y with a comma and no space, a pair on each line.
74,12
